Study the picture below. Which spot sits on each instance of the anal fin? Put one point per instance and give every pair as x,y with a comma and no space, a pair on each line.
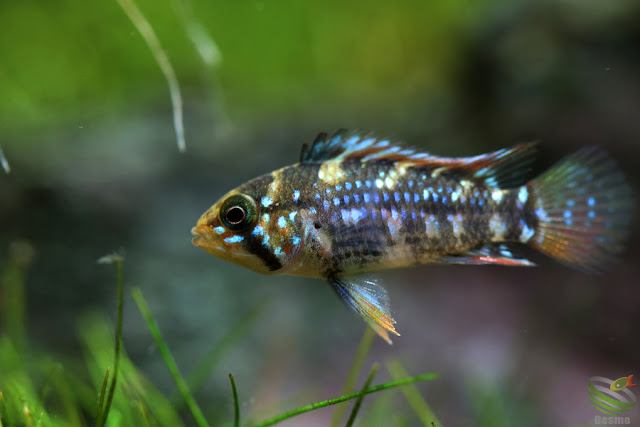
368,298
499,254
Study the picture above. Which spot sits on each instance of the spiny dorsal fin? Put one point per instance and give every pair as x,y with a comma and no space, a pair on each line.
345,143
505,168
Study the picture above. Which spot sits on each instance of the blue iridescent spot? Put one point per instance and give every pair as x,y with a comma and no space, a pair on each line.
444,199
413,215
296,195
366,197
266,201
591,201
394,213
376,198
265,241
234,239
435,197
338,188
328,191
347,186
385,196
567,214
295,240
258,230
277,251
292,215
481,202
379,183
219,230
571,203
410,183
416,197
407,197
336,201
282,223
346,199
358,184
368,183
396,196
403,213
568,222
591,214
392,227
325,205
317,196
425,194
356,198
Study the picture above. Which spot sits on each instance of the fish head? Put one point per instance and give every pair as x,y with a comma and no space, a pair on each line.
252,226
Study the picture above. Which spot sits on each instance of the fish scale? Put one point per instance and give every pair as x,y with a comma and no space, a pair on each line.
355,204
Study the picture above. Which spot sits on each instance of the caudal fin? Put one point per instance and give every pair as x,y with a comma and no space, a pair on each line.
584,208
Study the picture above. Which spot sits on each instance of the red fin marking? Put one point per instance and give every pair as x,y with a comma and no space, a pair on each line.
584,208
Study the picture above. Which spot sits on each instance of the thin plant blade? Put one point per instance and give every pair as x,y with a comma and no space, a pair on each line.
413,396
236,406
271,421
354,372
202,371
168,358
367,384
103,392
4,162
117,259
146,31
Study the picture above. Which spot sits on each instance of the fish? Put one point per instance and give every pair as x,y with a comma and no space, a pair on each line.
622,383
356,204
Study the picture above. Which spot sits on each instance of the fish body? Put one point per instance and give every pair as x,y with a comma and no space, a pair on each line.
356,204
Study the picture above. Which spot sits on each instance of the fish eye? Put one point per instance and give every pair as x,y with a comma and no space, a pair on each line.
238,212
235,214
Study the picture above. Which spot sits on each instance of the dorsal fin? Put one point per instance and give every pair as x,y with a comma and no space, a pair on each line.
345,143
505,168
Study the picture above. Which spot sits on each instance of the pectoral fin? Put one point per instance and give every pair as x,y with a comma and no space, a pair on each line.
368,298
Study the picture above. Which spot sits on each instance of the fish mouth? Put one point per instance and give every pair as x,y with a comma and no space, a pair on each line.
200,234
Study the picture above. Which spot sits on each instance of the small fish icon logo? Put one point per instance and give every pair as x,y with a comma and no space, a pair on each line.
622,383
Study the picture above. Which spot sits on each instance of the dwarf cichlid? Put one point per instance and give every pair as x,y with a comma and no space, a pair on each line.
355,204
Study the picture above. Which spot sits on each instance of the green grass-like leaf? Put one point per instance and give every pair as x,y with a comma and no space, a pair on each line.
203,370
104,413
367,384
413,396
236,406
168,358
424,377
354,371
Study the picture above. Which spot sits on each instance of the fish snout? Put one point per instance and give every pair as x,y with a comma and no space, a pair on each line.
200,234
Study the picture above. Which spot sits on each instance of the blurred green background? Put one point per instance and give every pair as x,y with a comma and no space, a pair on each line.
85,121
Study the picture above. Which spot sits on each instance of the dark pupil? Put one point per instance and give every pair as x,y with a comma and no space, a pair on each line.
236,215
